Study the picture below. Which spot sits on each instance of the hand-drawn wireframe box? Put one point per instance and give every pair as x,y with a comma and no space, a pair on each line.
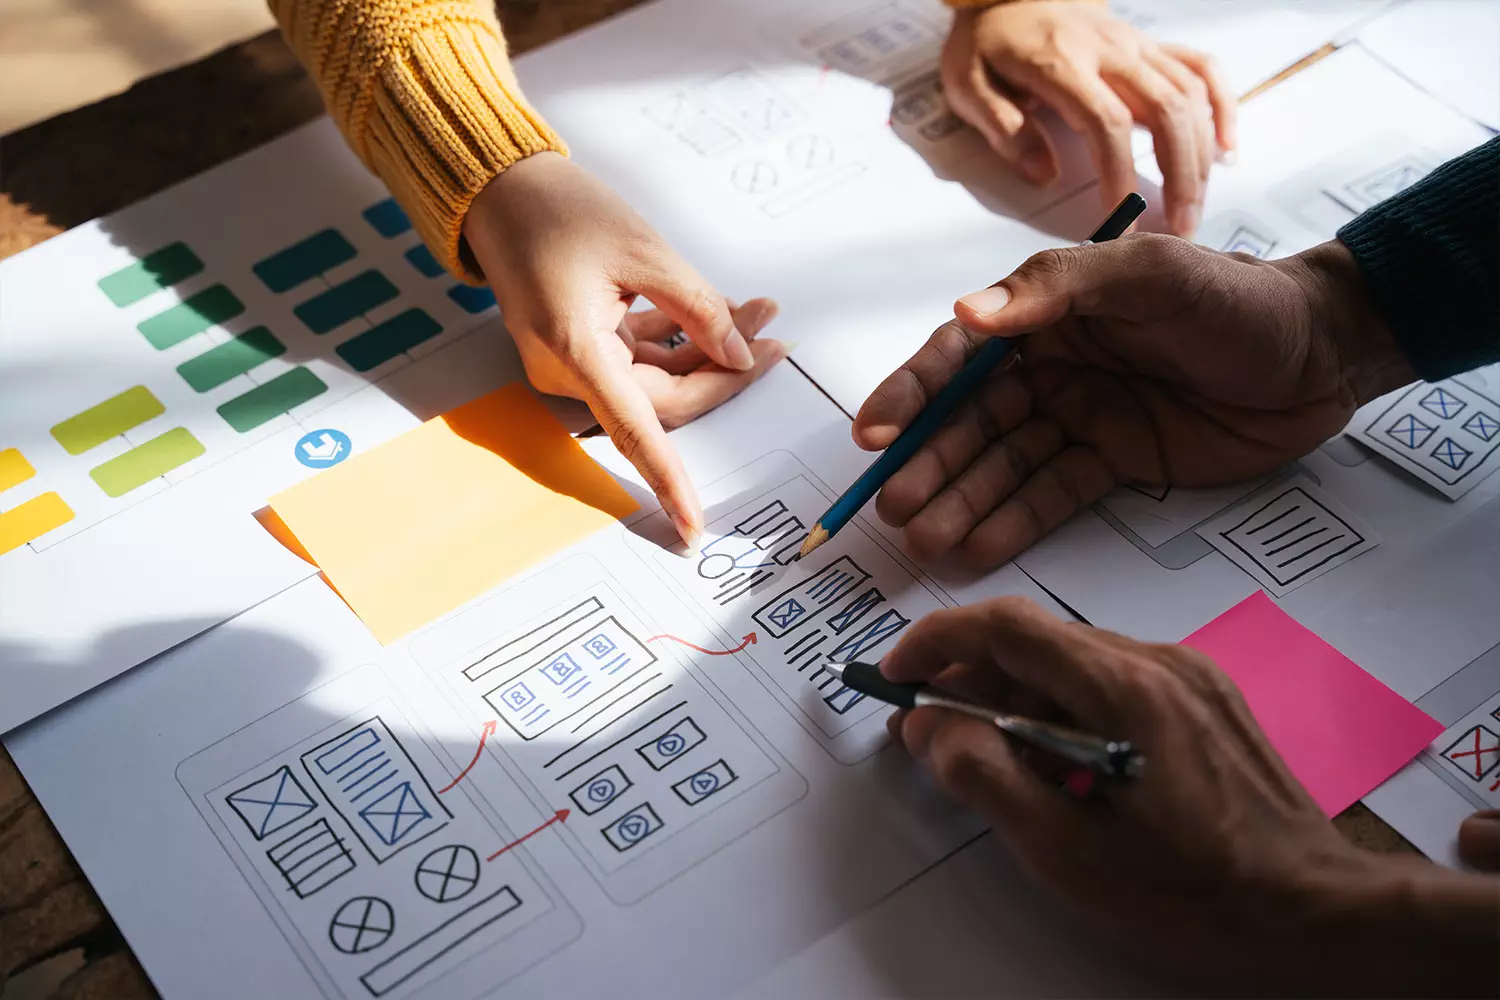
628,749
1446,433
374,785
365,928
560,667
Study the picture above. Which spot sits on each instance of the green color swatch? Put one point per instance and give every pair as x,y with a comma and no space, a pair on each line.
151,273
304,261
344,302
191,316
110,418
390,339
139,466
218,365
265,402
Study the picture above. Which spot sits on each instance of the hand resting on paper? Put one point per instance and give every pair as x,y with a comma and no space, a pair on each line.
1152,361
1214,862
566,257
1101,75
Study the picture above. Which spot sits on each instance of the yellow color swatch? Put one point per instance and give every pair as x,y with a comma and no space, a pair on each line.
417,526
14,469
31,520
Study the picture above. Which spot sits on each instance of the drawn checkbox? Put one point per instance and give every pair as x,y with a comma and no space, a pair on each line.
1476,753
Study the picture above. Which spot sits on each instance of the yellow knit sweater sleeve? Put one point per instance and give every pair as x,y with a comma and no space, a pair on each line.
424,93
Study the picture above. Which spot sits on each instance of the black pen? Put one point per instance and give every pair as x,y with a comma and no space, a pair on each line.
1107,758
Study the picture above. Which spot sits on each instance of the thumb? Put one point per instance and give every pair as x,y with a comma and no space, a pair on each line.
1050,285
693,304
1479,840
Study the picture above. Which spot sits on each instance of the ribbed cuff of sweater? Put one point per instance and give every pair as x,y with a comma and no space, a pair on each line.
1430,257
425,95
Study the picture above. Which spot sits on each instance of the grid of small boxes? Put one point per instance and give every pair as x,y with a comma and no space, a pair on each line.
282,272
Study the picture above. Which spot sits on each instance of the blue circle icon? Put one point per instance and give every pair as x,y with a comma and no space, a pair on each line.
320,449
670,745
602,790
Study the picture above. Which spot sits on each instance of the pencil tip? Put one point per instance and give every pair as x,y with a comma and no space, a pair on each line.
815,538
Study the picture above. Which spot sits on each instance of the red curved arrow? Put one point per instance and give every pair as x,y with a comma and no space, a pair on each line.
489,730
749,641
561,816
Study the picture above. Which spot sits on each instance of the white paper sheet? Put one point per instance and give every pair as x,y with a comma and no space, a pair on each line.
276,824
1449,48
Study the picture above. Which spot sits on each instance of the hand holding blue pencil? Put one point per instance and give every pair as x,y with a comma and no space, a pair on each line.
936,413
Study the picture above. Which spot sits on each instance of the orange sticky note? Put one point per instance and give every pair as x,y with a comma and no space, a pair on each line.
417,526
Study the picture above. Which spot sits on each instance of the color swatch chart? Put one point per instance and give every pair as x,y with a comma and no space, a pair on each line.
251,375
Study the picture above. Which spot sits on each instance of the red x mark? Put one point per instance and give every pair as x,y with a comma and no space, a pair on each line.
1478,754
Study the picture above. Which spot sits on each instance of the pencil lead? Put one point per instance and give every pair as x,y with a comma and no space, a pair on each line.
815,538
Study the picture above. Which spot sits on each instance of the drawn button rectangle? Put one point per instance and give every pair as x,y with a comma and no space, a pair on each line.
633,827
346,301
14,469
600,790
710,781
141,464
153,272
286,269
190,317
218,365
108,419
433,945
389,340
271,399
667,747
31,520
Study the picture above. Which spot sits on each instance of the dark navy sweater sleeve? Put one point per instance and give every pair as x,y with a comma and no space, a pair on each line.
1431,258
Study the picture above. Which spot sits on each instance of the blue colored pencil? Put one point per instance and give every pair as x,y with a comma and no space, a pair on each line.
936,413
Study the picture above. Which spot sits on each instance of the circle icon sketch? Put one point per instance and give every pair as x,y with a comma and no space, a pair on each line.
601,790
754,177
670,745
362,924
448,873
809,151
704,782
323,448
633,828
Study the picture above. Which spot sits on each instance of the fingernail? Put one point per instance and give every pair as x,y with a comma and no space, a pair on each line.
686,531
1228,157
988,301
1036,164
738,352
788,346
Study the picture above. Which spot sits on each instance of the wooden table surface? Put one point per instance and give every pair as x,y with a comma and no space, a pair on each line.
93,161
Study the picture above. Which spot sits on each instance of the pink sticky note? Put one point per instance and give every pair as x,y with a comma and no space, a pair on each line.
1340,730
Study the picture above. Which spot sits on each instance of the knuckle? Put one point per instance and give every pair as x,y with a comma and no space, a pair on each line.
931,537
1112,116
1049,264
954,763
629,440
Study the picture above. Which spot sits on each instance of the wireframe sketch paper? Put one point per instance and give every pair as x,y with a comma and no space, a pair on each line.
617,761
